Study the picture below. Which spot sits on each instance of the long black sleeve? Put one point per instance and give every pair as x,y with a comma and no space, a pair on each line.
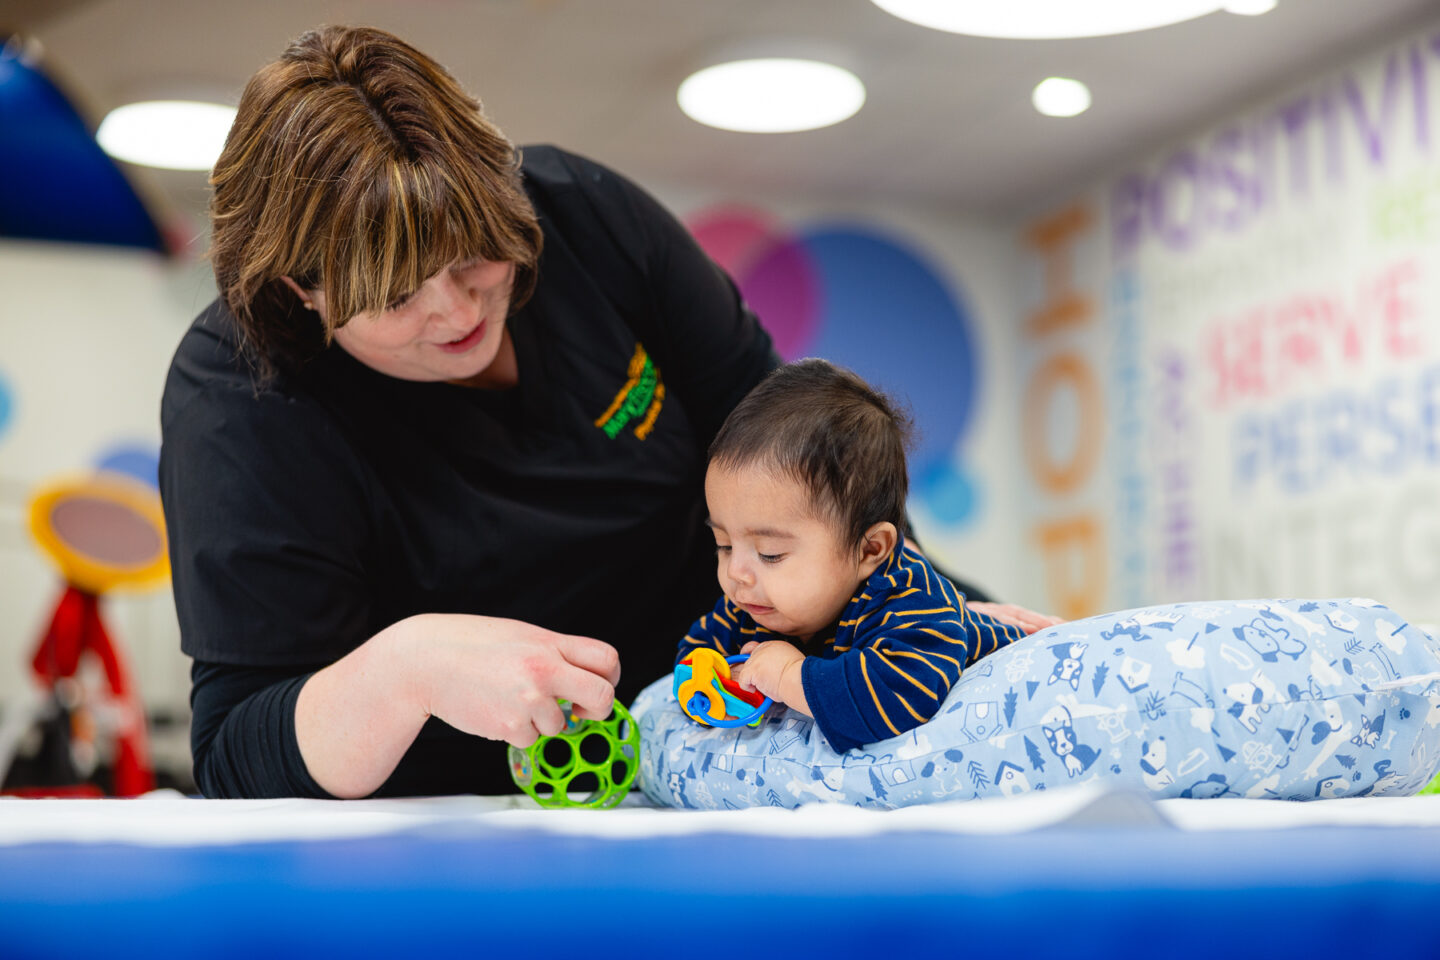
242,733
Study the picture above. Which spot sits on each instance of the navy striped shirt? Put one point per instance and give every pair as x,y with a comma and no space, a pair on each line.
885,668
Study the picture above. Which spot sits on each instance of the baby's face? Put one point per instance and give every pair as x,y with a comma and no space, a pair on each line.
775,559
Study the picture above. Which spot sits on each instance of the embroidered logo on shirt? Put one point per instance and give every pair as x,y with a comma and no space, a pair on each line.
641,396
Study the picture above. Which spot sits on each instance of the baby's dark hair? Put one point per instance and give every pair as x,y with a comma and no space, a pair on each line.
830,430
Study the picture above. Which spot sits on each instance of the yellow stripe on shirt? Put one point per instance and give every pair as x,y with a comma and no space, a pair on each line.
994,638
915,655
947,639
886,660
937,653
865,672
907,706
916,613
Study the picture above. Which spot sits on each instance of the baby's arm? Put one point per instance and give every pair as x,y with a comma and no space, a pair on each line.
716,630
892,679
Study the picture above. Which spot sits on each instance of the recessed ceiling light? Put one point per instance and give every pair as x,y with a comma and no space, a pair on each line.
1061,97
1249,8
1046,19
174,134
771,95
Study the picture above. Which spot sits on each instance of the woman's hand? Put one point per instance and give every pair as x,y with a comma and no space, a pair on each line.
486,676
1027,620
500,679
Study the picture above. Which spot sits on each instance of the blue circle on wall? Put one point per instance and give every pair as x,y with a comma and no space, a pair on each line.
135,460
6,405
888,316
948,491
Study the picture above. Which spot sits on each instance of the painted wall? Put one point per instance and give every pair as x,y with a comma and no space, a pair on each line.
918,304
86,335
1230,371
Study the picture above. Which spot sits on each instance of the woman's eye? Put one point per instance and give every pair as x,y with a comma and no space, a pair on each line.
399,302
722,548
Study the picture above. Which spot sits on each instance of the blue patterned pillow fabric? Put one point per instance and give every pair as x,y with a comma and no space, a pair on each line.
1290,699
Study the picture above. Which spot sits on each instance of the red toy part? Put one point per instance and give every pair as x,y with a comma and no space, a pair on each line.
732,687
75,628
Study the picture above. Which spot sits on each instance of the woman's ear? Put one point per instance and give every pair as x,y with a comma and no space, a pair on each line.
876,546
309,299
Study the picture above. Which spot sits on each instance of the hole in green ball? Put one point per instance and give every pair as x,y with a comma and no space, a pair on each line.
595,748
583,786
557,757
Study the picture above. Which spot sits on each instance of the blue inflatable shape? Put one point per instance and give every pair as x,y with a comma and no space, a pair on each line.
1283,699
923,353
59,184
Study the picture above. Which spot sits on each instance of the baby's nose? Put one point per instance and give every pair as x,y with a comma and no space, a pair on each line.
740,571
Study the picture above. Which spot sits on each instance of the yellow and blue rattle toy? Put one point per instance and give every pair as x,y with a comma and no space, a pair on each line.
710,697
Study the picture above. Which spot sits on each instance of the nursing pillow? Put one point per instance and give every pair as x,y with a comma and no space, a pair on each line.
1289,699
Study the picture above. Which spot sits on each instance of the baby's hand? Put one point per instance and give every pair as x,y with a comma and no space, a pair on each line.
773,669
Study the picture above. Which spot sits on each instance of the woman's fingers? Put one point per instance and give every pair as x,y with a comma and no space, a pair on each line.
501,678
596,656
591,696
1027,620
548,719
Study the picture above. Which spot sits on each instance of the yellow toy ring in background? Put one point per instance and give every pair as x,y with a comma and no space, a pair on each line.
103,530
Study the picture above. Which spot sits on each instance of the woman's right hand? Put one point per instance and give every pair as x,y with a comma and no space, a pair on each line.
486,676
500,679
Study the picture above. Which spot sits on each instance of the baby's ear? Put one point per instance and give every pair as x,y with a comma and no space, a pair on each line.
877,545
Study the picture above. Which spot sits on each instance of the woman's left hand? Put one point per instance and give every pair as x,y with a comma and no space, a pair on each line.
1009,613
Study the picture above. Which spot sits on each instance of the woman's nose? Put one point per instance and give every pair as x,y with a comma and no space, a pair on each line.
455,303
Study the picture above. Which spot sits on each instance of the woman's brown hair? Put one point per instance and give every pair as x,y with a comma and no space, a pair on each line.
358,166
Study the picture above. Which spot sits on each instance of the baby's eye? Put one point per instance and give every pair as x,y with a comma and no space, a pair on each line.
772,557
722,548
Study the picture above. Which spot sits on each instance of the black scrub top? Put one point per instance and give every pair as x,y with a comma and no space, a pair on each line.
308,513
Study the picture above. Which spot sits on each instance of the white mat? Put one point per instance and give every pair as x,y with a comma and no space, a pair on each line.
168,819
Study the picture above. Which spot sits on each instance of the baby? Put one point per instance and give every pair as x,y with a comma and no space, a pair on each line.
843,620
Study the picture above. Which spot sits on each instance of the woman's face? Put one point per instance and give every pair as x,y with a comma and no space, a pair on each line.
449,329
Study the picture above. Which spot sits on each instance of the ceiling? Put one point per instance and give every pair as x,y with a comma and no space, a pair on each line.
947,124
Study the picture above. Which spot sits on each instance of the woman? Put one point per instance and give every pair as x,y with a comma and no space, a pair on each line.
434,458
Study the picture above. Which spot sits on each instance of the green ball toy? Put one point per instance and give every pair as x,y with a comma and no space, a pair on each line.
1433,788
597,759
